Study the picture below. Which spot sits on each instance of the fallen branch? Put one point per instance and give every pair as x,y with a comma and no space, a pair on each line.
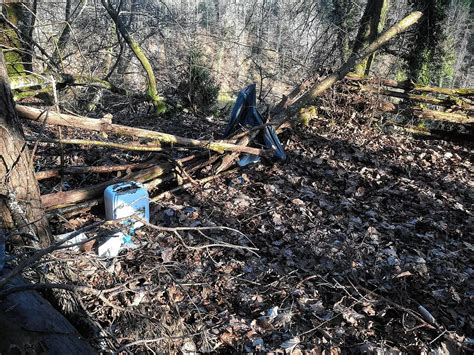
73,170
410,86
122,146
74,209
99,125
447,102
65,198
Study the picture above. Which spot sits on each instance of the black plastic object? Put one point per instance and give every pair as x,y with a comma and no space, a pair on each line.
245,114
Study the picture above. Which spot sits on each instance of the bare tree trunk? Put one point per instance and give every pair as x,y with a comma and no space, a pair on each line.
371,25
70,17
152,91
20,203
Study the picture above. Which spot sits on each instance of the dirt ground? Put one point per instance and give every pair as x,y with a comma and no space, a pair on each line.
360,242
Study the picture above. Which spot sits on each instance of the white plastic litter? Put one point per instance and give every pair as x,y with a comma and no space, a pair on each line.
272,313
77,239
111,247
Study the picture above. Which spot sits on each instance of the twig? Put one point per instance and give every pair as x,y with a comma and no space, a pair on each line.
149,341
40,253
189,185
400,307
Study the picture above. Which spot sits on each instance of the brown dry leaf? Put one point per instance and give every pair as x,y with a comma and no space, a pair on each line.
174,294
87,247
297,202
403,274
227,338
369,310
277,219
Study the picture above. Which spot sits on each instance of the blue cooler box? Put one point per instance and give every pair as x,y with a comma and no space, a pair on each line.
127,199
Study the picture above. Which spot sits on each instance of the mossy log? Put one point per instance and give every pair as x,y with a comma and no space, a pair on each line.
19,95
427,114
446,102
98,125
411,86
62,80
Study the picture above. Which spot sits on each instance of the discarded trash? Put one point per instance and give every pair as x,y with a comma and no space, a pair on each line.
272,313
127,199
245,114
113,245
76,240
248,159
236,181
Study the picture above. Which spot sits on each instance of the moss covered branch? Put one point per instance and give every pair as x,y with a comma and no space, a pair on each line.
107,127
152,91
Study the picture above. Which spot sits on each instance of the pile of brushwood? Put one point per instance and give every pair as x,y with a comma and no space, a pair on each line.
360,242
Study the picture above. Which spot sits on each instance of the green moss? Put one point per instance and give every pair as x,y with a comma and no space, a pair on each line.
421,125
224,99
9,38
306,114
400,74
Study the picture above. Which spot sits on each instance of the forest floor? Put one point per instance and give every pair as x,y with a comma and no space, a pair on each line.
355,232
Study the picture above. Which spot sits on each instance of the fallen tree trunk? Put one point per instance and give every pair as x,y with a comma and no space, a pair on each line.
122,146
74,209
65,198
427,114
52,173
98,125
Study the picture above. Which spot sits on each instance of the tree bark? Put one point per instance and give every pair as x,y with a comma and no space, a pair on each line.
20,203
371,25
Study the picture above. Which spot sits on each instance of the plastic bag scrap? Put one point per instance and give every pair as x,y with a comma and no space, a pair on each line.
245,114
